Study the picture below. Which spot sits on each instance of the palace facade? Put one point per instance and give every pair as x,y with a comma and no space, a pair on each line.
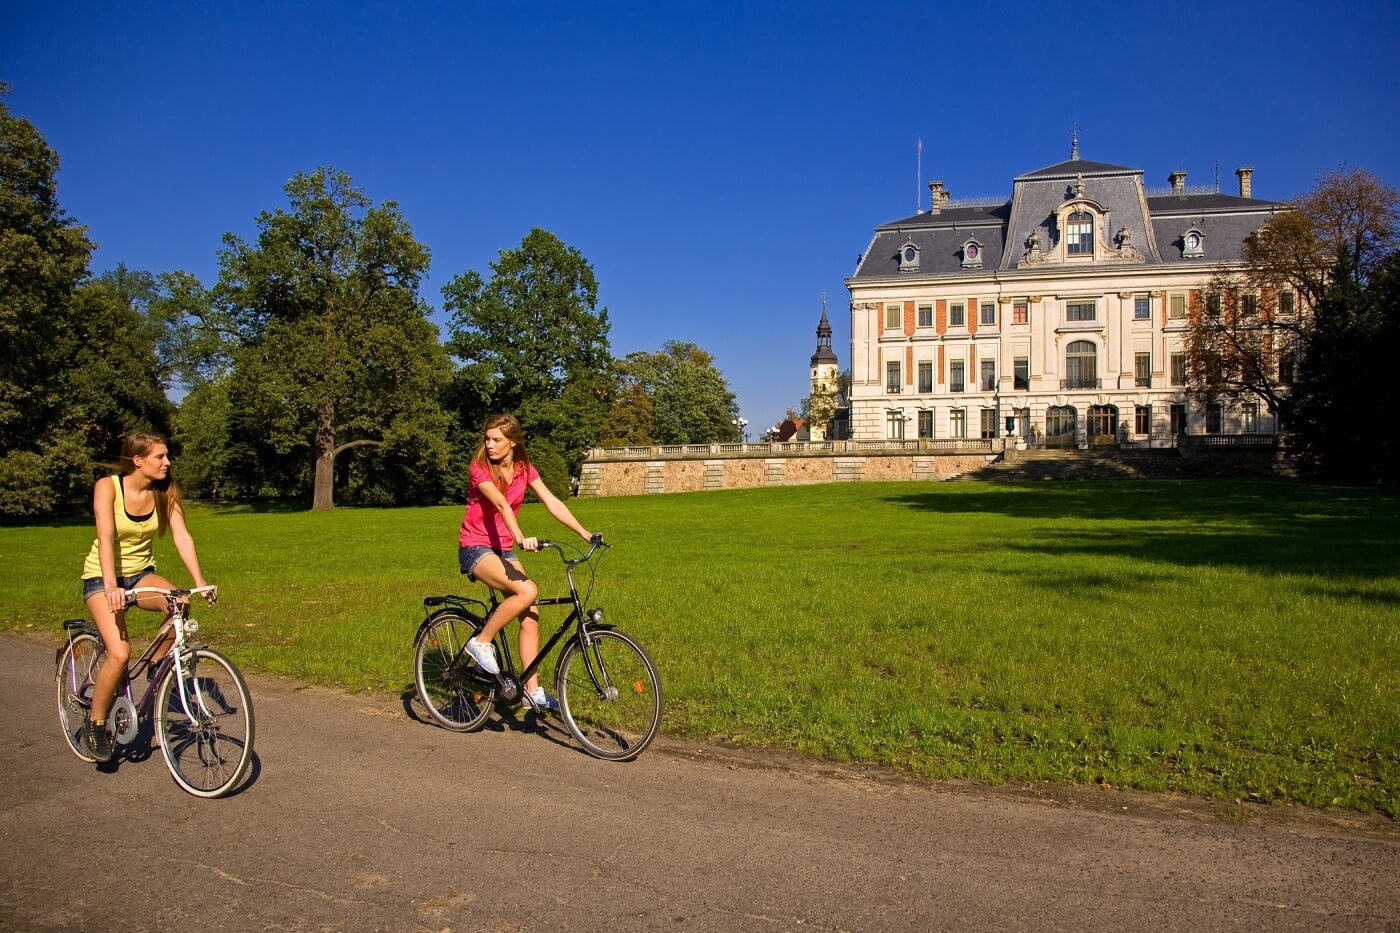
1057,316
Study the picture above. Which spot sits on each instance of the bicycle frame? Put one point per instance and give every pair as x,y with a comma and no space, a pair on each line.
177,600
508,679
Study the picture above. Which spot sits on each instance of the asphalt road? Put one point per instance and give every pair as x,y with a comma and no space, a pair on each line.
358,817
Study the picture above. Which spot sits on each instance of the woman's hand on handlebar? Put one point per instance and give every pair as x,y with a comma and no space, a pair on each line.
529,544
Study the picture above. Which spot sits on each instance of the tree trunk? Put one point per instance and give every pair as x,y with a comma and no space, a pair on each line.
323,492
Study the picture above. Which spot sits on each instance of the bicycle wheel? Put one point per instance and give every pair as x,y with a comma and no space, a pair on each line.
206,724
77,668
457,694
609,695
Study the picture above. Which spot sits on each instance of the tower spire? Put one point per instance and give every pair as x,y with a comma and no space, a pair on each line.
1074,140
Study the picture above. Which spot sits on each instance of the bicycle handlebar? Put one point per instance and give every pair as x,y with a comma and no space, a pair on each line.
595,543
209,591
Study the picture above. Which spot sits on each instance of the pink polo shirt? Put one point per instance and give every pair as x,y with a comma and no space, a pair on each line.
482,525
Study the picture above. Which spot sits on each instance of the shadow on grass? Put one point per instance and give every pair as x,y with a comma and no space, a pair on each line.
1278,526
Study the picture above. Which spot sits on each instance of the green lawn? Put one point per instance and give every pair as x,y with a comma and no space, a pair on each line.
1229,638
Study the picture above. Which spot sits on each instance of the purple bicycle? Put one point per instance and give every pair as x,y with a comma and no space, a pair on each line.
203,713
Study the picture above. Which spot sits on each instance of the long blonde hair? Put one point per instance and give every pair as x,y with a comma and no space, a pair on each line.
510,427
167,490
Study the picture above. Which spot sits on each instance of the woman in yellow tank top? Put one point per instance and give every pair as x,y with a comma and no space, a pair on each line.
130,510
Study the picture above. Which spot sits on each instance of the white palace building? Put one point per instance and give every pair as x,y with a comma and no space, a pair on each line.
1056,315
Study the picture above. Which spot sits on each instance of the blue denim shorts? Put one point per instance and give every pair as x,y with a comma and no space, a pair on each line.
94,584
470,555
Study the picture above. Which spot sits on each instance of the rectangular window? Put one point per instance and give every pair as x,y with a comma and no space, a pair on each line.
957,422
1079,229
894,425
1142,419
1213,305
1142,370
1080,311
1020,311
1022,378
1285,367
925,315
892,377
1285,302
1178,419
1176,308
989,423
926,424
989,314
1215,418
925,376
956,379
1249,305
989,375
955,315
1249,418
1142,308
894,316
1178,369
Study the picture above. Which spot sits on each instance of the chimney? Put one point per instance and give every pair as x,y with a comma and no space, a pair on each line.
1244,173
1178,181
938,196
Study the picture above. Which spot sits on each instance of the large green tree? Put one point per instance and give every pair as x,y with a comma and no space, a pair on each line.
328,349
533,342
80,365
673,396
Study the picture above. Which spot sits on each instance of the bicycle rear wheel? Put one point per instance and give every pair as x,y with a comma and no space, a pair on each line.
77,669
206,724
609,694
457,694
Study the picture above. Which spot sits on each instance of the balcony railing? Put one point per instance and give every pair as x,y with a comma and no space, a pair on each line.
778,448
1081,383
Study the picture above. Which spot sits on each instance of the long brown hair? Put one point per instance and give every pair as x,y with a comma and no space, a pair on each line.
510,427
167,490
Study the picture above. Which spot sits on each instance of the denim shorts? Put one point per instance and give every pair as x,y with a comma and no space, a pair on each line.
470,555
94,584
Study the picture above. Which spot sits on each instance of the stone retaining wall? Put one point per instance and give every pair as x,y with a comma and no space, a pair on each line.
629,476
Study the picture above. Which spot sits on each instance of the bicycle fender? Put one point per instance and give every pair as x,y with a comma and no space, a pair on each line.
451,610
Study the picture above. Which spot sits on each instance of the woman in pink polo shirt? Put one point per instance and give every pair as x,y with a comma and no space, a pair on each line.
500,472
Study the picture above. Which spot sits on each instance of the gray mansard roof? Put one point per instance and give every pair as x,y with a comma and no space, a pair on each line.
1157,224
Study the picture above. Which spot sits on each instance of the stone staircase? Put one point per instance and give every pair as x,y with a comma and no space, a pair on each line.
1106,463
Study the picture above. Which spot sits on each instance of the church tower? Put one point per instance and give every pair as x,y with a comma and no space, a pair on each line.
822,403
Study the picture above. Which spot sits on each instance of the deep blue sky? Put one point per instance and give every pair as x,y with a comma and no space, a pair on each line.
720,165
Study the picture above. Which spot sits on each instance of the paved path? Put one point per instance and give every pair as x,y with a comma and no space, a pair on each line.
360,818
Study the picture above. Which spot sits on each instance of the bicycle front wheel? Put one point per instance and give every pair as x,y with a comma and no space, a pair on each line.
457,694
609,694
205,724
77,669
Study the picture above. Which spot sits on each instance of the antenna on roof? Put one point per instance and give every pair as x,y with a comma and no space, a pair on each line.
1217,178
918,175
1074,139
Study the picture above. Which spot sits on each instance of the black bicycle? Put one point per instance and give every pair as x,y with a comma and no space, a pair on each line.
607,686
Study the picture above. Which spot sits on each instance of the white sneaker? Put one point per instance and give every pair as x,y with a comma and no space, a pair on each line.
541,701
484,655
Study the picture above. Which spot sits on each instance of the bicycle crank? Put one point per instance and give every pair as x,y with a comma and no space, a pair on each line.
124,722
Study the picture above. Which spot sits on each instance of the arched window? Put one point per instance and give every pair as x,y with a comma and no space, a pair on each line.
1059,423
1079,234
1081,366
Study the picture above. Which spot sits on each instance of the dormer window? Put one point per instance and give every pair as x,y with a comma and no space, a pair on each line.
1079,234
909,258
972,255
1193,244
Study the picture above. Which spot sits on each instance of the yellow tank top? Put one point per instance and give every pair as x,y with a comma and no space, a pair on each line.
134,538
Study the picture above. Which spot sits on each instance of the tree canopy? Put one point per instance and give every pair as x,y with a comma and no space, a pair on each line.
80,365
533,342
673,396
327,348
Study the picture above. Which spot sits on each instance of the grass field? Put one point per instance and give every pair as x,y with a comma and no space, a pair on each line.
1238,639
